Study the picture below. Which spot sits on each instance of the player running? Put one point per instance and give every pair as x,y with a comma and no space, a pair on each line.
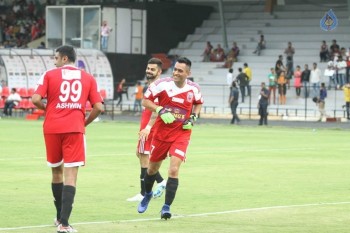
179,103
153,72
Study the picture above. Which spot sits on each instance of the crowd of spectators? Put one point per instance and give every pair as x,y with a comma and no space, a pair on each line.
21,22
218,54
309,82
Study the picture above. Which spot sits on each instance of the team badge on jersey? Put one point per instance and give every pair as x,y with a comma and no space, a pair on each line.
189,96
329,21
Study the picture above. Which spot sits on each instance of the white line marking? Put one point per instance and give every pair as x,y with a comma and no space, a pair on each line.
188,216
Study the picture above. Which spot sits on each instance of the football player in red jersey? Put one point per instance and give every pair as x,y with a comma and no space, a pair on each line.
179,103
153,72
67,89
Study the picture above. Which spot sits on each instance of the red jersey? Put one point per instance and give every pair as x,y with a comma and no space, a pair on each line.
67,90
146,116
179,101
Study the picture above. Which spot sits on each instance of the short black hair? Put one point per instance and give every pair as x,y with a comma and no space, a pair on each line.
156,61
185,60
245,64
67,50
230,70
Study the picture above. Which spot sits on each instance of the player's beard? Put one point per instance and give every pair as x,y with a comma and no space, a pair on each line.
150,76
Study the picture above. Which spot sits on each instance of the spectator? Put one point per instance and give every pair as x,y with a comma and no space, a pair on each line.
207,52
324,54
346,90
218,54
279,67
231,56
120,89
282,88
236,50
35,31
242,79
249,74
261,45
105,31
31,8
138,97
233,102
329,72
334,50
11,101
305,78
289,51
272,78
297,81
320,101
263,103
16,9
347,55
340,67
229,77
315,78
343,52
42,45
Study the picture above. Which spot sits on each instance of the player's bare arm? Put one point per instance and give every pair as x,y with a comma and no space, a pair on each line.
197,109
36,99
96,110
143,134
149,105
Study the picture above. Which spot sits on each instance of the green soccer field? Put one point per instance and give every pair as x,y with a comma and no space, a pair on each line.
235,179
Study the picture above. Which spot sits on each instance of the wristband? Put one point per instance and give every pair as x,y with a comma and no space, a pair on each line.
148,127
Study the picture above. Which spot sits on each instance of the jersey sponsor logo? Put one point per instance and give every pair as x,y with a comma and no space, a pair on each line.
177,100
178,113
71,74
69,105
189,97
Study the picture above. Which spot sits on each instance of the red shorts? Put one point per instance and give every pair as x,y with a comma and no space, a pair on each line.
67,148
143,147
160,149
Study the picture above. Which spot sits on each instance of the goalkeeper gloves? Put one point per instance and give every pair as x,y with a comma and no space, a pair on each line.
188,124
166,116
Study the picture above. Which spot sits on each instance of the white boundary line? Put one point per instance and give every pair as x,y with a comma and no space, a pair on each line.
189,215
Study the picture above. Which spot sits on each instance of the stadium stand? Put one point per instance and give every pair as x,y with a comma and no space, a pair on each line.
295,21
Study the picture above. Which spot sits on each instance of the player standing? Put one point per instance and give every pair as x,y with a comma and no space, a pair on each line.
67,89
179,103
153,72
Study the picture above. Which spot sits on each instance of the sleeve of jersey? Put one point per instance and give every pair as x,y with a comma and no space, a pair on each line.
94,96
41,87
152,92
198,98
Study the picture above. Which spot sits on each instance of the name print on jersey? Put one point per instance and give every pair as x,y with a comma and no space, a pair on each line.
70,91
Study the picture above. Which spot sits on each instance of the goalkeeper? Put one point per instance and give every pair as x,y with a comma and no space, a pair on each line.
179,103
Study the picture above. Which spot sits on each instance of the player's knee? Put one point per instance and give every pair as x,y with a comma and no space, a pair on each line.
173,171
144,161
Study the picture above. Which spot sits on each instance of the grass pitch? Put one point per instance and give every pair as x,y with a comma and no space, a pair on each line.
236,179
